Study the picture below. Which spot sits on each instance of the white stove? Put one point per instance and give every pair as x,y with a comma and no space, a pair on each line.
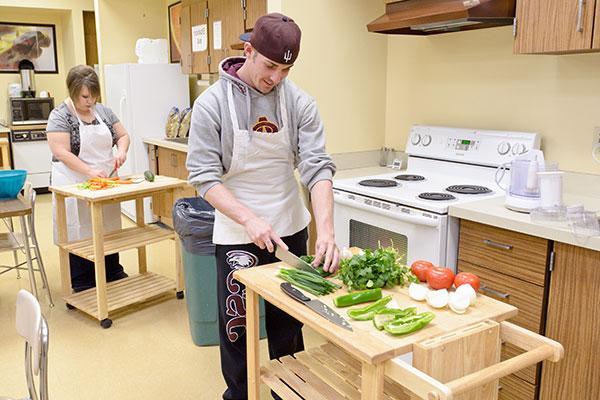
409,209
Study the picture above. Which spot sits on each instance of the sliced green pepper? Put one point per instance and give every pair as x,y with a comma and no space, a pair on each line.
367,313
386,315
404,326
353,298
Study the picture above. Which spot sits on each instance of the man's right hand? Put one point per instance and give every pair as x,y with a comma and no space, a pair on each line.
262,234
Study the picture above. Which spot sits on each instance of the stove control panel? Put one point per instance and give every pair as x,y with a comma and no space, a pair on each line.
479,147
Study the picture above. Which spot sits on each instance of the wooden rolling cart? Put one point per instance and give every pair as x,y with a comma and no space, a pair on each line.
100,301
454,357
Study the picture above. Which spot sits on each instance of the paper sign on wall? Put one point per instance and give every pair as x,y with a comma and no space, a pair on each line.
199,38
217,35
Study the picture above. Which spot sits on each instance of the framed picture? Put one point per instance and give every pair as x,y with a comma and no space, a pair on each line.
34,42
175,32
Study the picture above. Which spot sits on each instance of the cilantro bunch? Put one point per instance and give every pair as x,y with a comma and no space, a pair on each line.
374,269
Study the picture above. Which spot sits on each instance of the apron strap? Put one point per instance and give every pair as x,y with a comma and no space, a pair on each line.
232,112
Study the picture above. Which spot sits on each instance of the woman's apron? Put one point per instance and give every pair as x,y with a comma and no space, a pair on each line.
96,151
262,178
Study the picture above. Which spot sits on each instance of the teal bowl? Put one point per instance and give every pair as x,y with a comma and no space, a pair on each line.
11,183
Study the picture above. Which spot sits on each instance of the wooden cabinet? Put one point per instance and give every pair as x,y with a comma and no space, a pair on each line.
557,26
168,162
573,307
209,28
513,268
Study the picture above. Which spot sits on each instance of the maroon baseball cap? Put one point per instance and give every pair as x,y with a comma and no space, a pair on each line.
276,37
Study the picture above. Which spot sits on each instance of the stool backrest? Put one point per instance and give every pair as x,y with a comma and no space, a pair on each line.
29,325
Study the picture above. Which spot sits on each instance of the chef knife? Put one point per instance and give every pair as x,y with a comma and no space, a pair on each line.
317,306
293,260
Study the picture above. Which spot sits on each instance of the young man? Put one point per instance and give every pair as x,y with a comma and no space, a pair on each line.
249,132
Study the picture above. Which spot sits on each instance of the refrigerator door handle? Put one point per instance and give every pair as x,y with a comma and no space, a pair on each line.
122,101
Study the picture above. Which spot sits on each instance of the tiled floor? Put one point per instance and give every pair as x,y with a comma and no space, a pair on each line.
147,354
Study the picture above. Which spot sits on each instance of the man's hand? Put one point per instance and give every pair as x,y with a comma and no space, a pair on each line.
262,234
325,248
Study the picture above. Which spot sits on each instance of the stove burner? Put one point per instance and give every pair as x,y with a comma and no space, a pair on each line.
378,183
468,189
436,196
410,177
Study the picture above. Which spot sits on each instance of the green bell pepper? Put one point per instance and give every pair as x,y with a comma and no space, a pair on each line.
367,313
353,298
386,315
404,326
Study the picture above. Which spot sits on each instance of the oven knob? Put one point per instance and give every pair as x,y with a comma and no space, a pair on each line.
503,148
415,139
518,148
426,140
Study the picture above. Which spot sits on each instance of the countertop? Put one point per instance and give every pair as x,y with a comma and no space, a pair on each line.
167,144
492,212
4,129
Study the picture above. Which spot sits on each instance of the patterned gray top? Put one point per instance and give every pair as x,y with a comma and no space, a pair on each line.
62,120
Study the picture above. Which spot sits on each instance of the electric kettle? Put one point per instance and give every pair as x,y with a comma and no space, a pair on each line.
523,192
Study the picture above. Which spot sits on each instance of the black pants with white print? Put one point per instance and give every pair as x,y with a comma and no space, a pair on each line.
284,333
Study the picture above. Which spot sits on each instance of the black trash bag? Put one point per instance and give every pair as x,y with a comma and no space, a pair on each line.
193,219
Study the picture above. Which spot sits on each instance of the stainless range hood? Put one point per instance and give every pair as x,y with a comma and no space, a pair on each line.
426,17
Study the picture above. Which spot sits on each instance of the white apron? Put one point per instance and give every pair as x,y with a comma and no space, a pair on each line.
262,178
96,151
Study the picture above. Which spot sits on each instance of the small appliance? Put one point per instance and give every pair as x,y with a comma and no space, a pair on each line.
30,110
27,72
523,193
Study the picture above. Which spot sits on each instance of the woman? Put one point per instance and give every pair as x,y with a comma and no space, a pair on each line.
81,135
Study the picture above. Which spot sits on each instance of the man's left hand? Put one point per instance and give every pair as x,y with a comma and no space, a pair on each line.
325,248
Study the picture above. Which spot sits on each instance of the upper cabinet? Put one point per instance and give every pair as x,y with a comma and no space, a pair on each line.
557,26
209,29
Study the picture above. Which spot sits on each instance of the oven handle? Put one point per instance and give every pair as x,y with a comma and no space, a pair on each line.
413,219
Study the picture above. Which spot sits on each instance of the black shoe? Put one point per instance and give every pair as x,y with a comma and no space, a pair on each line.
116,276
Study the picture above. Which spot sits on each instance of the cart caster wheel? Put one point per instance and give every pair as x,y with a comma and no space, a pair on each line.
179,295
70,307
106,323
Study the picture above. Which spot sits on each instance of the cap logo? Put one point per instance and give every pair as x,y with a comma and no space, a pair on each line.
287,56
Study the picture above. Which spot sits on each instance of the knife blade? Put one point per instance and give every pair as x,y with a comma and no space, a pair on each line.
293,260
316,305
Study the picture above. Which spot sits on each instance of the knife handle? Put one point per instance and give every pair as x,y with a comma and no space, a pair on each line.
293,292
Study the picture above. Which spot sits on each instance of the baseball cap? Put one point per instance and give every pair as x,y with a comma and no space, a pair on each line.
276,37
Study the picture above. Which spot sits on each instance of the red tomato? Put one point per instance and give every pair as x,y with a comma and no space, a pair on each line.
440,278
420,268
467,277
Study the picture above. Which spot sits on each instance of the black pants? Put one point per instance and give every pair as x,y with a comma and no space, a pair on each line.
83,274
284,333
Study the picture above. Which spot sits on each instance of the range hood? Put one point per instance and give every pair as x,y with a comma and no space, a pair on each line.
426,17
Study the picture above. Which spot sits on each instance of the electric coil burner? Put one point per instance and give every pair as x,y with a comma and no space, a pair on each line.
378,183
410,177
436,196
468,189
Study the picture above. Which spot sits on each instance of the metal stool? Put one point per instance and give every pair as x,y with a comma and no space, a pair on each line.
14,242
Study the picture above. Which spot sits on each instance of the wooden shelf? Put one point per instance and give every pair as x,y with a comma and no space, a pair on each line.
322,373
124,239
124,292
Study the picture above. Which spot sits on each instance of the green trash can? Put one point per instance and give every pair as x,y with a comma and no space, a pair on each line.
201,298
193,220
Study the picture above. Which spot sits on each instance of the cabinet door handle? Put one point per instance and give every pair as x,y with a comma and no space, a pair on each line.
493,292
173,160
498,245
580,4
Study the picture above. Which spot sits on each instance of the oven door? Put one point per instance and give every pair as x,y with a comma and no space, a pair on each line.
368,223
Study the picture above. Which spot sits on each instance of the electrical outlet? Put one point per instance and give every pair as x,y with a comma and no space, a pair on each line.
596,136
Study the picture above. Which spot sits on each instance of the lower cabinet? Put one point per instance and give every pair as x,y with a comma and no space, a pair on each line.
168,162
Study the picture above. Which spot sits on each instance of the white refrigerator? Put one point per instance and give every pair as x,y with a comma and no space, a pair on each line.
142,95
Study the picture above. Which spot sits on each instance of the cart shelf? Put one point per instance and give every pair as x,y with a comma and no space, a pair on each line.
124,239
124,292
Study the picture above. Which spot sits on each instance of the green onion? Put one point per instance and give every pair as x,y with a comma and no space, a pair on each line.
308,281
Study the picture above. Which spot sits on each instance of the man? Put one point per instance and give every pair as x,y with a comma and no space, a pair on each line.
249,132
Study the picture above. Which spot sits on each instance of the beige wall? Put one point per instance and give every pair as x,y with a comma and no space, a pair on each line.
67,16
344,68
472,79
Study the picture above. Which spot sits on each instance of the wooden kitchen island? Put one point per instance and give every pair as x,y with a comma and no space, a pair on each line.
454,357
105,298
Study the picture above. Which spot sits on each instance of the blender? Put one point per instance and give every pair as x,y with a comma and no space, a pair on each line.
523,193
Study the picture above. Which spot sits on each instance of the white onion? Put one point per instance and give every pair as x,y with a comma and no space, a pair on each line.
437,298
468,291
417,292
459,303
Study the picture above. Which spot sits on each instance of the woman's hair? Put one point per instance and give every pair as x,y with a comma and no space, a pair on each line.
82,75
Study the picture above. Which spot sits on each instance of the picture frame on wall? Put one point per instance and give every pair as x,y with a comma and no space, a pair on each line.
175,32
33,42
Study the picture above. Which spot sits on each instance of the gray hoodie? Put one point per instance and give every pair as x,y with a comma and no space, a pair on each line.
211,132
